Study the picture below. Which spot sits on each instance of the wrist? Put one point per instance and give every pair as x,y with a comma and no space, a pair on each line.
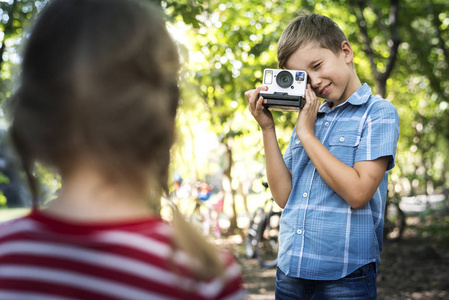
304,136
267,128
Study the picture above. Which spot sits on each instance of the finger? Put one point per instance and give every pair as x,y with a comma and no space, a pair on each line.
307,94
260,89
248,94
259,103
310,93
315,101
308,99
252,95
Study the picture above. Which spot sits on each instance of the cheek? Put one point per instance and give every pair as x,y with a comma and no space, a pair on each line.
337,75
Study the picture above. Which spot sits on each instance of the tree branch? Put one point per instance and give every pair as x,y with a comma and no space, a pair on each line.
381,22
437,24
394,41
361,21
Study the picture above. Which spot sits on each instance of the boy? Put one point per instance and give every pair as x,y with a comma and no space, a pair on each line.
332,180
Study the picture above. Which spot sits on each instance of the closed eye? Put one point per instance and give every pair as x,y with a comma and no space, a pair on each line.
316,66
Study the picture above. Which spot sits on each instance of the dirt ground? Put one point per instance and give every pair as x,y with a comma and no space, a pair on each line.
412,268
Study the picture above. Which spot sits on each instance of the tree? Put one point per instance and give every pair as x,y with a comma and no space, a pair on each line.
15,17
425,63
235,42
401,48
385,58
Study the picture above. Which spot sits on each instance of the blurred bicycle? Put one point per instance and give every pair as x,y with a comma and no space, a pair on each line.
262,240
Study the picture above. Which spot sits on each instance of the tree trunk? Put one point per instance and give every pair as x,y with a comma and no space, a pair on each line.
393,41
244,193
227,174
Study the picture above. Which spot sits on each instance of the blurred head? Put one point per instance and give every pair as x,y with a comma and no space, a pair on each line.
98,84
307,29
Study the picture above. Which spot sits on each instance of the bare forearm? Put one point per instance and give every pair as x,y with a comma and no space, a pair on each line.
279,177
356,185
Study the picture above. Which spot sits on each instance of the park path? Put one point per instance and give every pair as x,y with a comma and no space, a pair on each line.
414,268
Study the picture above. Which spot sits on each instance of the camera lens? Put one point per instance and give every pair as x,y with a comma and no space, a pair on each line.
284,79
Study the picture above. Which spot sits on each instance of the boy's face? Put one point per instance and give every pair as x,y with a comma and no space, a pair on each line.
331,75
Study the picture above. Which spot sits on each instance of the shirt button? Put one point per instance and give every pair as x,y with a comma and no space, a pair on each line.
326,124
297,142
299,231
342,139
304,195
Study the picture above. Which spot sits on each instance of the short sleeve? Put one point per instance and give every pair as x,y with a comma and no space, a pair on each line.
288,154
380,134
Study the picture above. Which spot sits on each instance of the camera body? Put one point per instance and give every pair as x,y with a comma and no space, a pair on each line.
286,89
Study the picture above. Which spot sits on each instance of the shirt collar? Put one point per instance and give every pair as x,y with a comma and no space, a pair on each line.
359,97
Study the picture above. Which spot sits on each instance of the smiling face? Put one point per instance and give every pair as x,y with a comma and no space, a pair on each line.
332,76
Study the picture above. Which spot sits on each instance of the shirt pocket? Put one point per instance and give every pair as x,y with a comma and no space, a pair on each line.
343,144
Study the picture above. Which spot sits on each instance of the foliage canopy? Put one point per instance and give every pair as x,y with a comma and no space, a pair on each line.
402,51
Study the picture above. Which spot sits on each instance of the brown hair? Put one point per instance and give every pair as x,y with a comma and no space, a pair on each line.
309,28
99,80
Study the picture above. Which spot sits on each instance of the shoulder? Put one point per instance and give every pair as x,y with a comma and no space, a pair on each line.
18,229
17,222
379,102
377,107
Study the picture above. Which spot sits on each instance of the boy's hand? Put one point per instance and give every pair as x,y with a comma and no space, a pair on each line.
306,118
262,115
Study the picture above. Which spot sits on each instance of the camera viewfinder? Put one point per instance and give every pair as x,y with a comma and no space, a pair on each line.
299,76
268,77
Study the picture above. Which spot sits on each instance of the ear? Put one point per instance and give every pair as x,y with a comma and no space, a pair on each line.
346,50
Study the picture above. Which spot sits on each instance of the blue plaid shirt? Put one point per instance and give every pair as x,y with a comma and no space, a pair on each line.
322,237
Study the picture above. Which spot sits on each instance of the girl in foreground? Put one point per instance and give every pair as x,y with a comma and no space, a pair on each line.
97,102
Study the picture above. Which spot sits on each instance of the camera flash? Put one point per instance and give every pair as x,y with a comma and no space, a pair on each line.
268,77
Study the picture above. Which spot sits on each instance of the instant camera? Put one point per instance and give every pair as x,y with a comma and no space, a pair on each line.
286,89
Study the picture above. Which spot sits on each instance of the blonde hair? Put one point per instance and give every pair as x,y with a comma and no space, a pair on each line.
309,28
99,79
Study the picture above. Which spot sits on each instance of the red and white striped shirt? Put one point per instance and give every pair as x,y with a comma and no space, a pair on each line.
42,257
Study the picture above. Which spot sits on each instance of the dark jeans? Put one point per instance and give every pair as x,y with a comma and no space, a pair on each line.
359,285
